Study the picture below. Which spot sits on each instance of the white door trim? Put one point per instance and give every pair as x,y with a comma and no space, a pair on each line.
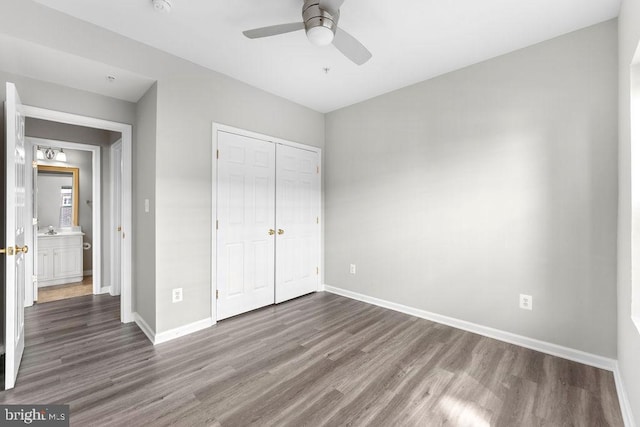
31,291
126,312
215,127
96,216
114,239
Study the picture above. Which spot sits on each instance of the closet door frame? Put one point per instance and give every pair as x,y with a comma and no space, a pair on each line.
215,128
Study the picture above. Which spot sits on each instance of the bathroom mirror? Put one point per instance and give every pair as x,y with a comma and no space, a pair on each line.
58,195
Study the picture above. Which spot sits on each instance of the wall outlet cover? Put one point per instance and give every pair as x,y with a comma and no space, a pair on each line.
176,295
526,302
352,269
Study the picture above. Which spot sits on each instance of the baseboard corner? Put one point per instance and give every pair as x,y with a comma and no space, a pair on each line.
144,327
181,331
623,398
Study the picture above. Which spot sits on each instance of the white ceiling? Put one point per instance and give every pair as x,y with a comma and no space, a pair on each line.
43,63
411,40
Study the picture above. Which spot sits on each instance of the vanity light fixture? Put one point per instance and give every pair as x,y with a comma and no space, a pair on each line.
49,153
61,156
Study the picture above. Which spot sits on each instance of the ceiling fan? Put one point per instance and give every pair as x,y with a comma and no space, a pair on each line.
320,21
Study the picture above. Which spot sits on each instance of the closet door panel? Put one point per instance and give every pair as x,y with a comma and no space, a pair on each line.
297,214
245,215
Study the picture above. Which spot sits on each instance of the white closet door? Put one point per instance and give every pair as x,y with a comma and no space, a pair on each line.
246,217
297,220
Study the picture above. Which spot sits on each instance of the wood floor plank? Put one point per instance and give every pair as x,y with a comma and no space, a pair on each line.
319,360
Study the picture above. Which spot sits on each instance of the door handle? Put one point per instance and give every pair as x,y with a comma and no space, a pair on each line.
9,251
280,231
272,232
23,249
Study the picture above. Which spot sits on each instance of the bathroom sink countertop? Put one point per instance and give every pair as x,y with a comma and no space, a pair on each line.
61,234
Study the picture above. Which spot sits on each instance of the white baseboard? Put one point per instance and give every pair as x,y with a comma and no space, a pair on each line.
104,290
144,327
183,330
63,281
625,406
531,343
171,334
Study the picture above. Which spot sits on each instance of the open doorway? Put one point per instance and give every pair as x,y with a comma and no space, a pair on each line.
67,210
18,222
102,198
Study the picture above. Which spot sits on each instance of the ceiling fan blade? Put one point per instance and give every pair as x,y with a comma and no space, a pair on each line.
331,6
273,30
350,47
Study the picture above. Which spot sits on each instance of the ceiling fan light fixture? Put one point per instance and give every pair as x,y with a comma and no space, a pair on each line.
320,36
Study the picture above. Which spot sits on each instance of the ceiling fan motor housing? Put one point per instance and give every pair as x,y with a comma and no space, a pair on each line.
313,17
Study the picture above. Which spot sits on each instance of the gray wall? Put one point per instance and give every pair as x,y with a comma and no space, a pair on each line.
71,133
49,200
144,187
457,194
628,335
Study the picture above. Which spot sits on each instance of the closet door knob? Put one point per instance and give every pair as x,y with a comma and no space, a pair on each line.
272,232
280,231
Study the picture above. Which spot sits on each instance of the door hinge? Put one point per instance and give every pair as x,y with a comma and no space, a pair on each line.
317,271
317,169
34,164
34,279
217,294
34,221
123,234
317,220
216,224
119,228
217,154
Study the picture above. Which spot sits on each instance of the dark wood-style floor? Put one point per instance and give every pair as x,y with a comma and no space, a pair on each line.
318,360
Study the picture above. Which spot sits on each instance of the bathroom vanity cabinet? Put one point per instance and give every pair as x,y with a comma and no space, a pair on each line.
59,258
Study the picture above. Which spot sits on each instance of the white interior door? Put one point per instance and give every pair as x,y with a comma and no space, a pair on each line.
15,235
245,222
297,219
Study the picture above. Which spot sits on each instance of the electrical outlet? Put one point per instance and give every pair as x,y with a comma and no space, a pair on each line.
526,302
177,295
352,269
